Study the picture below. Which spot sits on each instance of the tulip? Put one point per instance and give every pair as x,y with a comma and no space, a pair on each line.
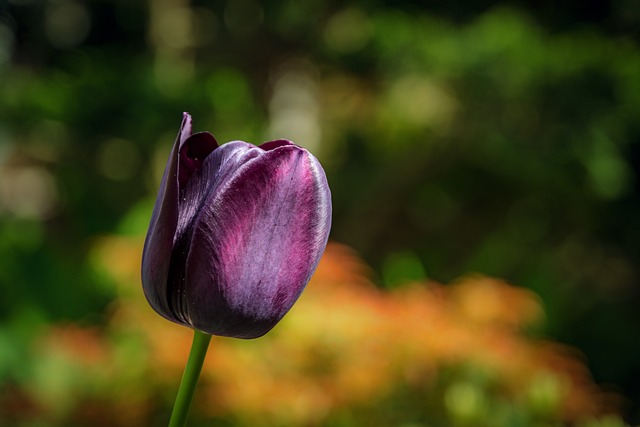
236,233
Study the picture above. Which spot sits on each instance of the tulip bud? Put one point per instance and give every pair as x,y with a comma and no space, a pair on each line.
236,233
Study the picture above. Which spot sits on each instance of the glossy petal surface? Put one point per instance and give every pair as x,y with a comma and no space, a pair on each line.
248,226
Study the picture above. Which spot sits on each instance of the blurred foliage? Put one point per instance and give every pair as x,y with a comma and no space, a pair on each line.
350,354
501,138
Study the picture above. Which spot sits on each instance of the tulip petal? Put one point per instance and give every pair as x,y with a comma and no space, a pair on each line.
187,155
158,245
193,151
256,239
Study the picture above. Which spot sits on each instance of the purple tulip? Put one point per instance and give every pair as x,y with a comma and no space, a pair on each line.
236,233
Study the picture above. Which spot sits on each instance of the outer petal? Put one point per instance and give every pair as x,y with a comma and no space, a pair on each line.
216,169
156,256
186,156
256,240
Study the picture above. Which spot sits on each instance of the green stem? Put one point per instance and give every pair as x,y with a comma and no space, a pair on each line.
189,379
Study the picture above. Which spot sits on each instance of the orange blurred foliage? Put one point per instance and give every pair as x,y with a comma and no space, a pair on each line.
345,344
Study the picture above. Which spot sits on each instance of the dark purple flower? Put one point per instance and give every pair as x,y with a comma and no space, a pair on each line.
236,233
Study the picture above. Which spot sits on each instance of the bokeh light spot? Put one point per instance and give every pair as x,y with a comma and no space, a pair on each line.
348,31
118,159
67,24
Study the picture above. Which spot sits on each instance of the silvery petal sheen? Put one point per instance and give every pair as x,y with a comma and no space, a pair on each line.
236,233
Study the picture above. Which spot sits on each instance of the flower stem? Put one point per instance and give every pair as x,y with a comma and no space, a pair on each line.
189,379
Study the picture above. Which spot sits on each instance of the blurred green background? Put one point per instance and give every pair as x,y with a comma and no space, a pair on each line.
493,137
